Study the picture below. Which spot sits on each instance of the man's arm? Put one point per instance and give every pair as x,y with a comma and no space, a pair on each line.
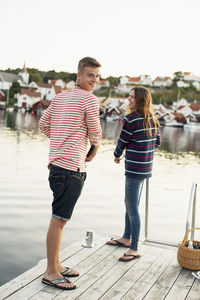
93,125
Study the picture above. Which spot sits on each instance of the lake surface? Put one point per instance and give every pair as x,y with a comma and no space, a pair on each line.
25,198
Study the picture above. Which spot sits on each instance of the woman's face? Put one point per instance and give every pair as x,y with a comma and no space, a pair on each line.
131,100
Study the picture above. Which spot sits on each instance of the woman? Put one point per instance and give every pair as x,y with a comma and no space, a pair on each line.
139,136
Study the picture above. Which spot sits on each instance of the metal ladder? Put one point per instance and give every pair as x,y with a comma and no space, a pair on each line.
191,211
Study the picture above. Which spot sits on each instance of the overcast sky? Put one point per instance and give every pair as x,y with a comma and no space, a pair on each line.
128,37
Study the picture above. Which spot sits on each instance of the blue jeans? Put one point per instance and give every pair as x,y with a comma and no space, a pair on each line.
133,189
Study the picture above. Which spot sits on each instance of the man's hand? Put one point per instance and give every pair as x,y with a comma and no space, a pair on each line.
93,153
117,160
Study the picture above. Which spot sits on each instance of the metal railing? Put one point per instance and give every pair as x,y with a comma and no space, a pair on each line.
191,213
192,209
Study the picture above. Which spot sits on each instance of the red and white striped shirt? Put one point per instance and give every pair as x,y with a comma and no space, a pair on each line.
69,121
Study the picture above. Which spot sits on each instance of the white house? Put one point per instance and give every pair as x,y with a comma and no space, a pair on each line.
57,82
47,90
70,84
184,109
102,84
124,80
28,98
178,103
146,80
7,79
181,83
196,84
164,81
127,83
162,107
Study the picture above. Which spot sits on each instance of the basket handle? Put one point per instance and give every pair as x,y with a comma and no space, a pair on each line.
186,235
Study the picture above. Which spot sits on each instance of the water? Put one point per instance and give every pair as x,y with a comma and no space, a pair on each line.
25,198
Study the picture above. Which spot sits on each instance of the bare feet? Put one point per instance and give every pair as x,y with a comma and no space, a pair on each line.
119,242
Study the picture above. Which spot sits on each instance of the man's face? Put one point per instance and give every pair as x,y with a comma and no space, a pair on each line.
88,78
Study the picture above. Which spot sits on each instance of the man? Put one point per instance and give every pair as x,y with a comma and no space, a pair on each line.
71,119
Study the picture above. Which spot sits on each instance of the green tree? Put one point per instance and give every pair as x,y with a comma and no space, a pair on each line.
35,75
15,88
113,80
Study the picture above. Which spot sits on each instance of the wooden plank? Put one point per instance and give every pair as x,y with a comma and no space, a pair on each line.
194,292
30,275
146,281
85,262
165,281
93,273
181,286
30,280
115,283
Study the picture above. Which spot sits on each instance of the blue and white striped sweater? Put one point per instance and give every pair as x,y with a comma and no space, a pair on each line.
139,146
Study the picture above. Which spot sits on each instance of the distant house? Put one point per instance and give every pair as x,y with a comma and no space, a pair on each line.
178,103
41,105
28,98
184,109
2,96
167,117
179,118
7,79
162,107
102,84
195,107
70,84
57,82
114,112
181,83
162,81
140,80
196,84
127,82
47,90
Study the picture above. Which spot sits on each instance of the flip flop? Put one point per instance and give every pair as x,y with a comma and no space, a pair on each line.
119,244
67,271
131,257
196,274
54,283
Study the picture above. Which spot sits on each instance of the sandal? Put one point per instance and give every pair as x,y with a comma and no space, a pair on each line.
130,257
119,244
54,283
67,271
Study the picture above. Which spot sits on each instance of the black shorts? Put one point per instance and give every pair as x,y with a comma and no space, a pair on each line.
66,186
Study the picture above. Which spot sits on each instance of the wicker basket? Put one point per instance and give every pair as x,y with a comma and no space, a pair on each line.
188,258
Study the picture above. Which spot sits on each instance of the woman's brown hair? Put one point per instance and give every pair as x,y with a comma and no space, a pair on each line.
144,106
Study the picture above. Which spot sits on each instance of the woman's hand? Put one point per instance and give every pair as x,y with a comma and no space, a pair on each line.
117,160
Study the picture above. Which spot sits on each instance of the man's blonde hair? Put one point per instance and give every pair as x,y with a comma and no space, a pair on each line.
88,62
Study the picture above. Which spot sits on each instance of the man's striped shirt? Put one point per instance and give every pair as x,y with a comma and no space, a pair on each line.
69,121
139,146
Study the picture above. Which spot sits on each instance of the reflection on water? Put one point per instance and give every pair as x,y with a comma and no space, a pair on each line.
173,140
25,198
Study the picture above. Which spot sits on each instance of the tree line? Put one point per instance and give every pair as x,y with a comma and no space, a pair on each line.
164,95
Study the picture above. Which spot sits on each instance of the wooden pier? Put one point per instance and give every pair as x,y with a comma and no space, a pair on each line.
156,275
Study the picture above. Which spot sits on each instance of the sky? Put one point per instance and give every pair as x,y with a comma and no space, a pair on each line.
128,37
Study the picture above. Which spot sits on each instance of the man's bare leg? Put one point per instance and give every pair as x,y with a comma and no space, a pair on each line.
53,241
